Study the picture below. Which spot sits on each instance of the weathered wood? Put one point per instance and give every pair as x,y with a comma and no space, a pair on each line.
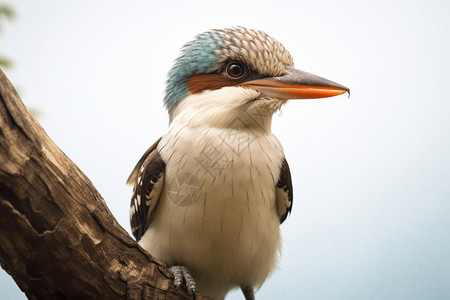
58,239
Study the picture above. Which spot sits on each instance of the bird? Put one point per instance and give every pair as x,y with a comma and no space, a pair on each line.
210,194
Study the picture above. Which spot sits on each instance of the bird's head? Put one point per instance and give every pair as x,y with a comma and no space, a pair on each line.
226,74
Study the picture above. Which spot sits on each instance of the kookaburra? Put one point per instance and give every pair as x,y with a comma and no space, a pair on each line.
210,195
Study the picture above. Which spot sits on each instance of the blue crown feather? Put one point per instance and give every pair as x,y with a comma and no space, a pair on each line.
199,56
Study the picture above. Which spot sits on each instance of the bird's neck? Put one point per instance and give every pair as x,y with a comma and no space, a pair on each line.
229,107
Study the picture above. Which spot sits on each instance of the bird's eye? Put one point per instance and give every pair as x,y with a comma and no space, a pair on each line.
235,70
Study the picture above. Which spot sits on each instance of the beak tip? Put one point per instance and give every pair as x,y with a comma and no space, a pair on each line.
346,90
343,89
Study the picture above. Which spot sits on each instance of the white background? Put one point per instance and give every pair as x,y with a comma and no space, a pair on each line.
371,173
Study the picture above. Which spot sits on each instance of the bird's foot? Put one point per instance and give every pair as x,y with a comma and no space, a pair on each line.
248,292
180,274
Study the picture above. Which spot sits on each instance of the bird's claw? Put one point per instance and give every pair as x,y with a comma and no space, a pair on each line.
248,292
180,274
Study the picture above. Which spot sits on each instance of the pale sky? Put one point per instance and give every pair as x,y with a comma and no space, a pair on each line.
371,173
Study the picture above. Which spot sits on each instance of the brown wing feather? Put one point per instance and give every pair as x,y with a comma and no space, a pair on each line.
284,192
133,176
148,179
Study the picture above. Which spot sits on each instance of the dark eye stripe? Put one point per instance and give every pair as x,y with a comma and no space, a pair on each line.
234,73
201,82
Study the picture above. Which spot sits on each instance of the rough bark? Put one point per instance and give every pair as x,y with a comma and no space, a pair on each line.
58,239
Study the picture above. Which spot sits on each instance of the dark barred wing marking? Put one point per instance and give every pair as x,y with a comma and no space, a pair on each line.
284,192
148,180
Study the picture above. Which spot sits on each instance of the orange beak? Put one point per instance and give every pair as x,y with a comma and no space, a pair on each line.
297,85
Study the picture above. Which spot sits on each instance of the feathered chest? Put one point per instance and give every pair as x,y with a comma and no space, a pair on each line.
228,162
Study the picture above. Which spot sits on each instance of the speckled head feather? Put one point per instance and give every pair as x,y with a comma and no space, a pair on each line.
211,50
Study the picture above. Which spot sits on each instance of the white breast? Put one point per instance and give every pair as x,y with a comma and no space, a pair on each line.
217,211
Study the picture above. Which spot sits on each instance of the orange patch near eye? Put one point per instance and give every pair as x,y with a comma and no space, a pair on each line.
201,82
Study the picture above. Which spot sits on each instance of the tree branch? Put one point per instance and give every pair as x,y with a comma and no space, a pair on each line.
58,239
